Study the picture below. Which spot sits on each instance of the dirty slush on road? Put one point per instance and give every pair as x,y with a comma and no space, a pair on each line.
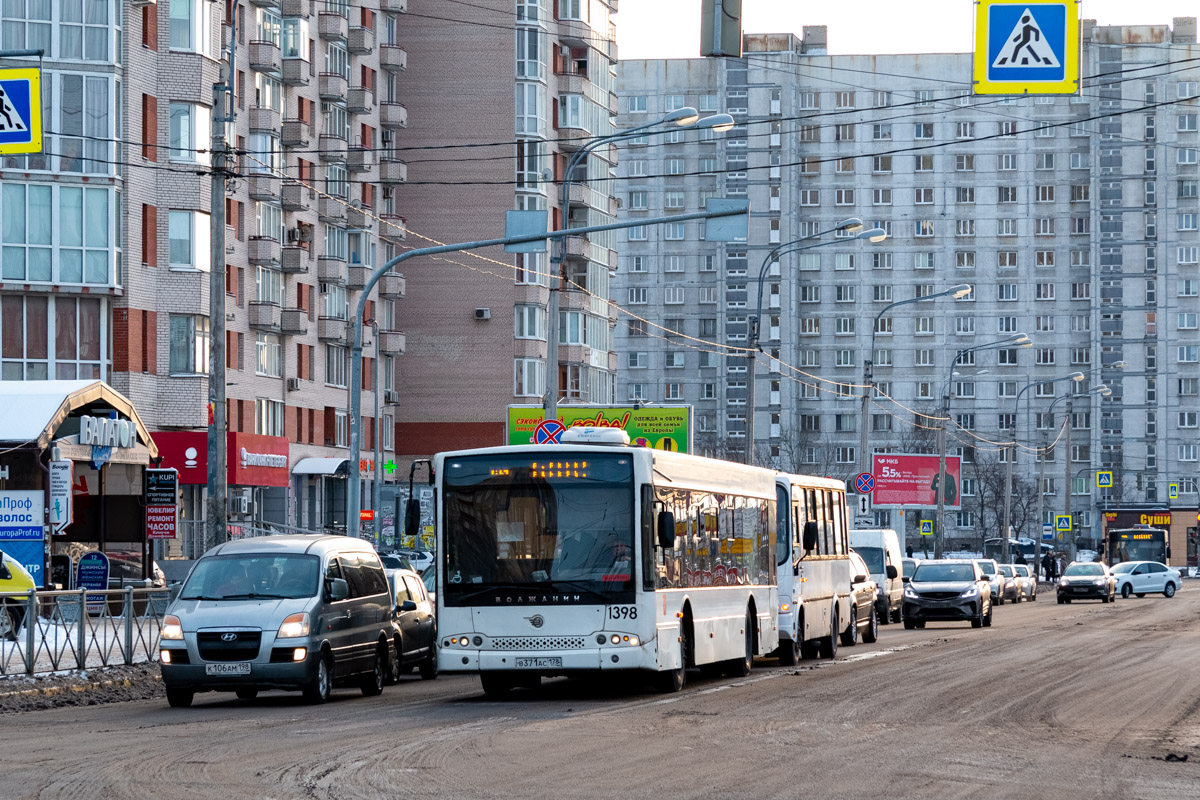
90,688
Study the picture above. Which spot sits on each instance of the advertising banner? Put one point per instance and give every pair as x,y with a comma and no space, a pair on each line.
660,427
908,481
253,459
62,479
22,531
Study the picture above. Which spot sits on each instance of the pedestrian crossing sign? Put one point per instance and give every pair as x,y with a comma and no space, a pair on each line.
1104,479
1172,491
20,111
1062,523
927,527
1024,47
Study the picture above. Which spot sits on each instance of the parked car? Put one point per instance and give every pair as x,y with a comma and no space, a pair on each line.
420,559
1087,580
865,620
947,590
1142,577
13,578
429,578
1027,580
394,561
880,549
991,570
280,612
907,565
415,637
1012,587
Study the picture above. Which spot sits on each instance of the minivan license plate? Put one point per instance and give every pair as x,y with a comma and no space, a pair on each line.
539,663
231,668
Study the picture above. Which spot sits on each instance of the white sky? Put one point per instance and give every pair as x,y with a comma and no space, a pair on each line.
671,28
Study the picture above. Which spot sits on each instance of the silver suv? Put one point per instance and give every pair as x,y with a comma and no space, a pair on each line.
280,612
991,571
947,590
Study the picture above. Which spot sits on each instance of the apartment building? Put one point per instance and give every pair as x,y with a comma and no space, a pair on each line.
107,233
1073,219
506,94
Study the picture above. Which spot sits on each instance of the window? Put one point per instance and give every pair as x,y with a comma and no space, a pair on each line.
1081,291
674,231
529,322
1186,221
1187,255
1007,194
191,25
964,227
844,99
923,130
674,295
881,164
923,260
1044,226
884,99
189,344
881,132
268,349
923,228
810,197
1006,292
268,417
964,259
1006,162
923,197
965,130
337,361
964,163
844,197
529,377
190,132
1045,291
188,232
1006,259
964,194
1008,128
637,201
1081,161
1186,155
923,163
1044,161
636,104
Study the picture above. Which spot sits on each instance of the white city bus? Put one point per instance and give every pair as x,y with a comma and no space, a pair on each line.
591,556
813,557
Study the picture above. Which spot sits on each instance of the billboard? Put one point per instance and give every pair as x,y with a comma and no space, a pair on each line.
907,481
660,427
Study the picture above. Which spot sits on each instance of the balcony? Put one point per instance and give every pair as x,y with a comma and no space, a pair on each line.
571,138
392,286
294,260
392,58
264,316
361,41
294,322
332,86
263,187
264,57
571,83
333,148
332,27
294,133
331,210
359,159
391,343
296,71
262,251
291,197
331,329
393,171
393,227
357,218
393,6
360,100
331,270
356,276
264,120
296,8
393,115
575,32
266,3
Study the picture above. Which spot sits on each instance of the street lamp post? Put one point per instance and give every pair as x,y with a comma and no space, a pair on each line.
851,225
1069,399
1008,467
939,534
865,465
681,118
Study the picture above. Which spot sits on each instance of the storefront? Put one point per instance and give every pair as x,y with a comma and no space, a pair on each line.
1179,522
101,450
257,472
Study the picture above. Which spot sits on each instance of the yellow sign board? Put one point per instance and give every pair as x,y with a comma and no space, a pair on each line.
927,527
1062,523
1024,47
20,110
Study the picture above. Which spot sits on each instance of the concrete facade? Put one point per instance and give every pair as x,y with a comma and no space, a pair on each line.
1074,219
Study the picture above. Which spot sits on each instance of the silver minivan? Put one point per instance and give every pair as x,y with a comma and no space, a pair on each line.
280,612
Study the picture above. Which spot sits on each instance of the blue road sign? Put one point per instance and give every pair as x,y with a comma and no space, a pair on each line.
20,111
865,482
1023,47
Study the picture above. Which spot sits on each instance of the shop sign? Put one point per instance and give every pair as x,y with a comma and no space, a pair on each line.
253,459
61,495
22,531
107,432
162,492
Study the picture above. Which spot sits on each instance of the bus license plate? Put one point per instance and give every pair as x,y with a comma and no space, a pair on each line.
539,663
231,668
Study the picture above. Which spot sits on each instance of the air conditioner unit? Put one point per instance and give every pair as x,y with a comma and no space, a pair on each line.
391,396
240,505
293,384
293,234
483,313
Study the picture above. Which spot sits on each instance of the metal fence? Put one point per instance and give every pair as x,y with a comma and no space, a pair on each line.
52,631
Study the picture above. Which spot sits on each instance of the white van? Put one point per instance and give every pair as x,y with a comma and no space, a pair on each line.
880,548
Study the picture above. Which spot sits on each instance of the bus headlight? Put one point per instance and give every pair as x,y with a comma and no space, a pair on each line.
785,607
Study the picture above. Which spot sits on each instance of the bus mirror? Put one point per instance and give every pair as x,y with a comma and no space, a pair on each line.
810,536
412,517
892,572
666,530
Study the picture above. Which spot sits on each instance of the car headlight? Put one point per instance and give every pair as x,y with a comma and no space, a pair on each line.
1063,582
972,592
909,593
171,628
294,626
1099,581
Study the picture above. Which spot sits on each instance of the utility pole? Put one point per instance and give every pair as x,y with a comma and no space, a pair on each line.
376,486
939,534
1067,487
1008,467
218,474
1040,484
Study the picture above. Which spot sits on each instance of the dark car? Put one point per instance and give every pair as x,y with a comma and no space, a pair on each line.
1087,580
862,597
947,590
415,639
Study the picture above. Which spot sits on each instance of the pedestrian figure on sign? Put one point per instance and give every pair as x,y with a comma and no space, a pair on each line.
8,122
1028,33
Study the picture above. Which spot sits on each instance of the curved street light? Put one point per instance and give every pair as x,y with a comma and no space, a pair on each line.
1101,390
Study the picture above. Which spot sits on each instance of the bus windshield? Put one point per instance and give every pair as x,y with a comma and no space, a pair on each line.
518,528
1137,544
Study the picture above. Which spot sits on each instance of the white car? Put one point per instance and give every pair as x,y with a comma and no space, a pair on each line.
420,559
1141,577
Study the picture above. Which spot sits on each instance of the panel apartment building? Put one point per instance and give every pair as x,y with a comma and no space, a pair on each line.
506,94
1073,219
106,237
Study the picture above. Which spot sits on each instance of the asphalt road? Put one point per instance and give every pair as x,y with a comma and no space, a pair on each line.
1053,701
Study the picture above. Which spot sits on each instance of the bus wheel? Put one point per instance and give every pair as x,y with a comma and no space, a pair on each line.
672,680
789,653
829,644
496,684
740,667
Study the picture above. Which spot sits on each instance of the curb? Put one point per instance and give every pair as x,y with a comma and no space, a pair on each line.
54,691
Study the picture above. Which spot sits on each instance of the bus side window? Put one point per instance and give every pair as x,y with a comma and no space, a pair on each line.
649,567
783,531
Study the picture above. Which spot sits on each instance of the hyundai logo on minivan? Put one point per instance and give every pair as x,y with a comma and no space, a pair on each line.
228,637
